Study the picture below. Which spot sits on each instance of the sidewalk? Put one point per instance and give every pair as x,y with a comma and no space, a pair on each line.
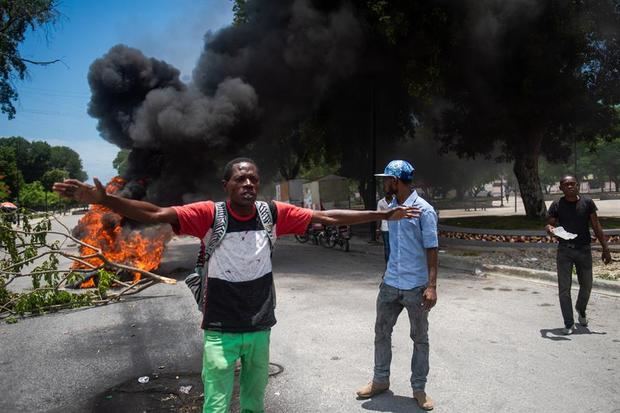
471,266
606,208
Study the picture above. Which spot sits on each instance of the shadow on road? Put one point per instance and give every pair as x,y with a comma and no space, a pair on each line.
556,334
389,402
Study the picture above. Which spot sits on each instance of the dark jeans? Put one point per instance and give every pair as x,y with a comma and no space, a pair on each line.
386,244
581,259
390,303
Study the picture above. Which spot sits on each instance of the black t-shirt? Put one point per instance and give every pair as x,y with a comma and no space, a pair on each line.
574,217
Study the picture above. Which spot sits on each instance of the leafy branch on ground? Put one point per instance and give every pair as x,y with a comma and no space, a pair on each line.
25,251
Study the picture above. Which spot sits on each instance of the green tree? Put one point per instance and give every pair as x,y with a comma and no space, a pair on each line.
37,161
550,173
17,17
11,175
5,191
33,196
34,159
529,78
602,159
62,157
240,13
53,200
51,176
121,162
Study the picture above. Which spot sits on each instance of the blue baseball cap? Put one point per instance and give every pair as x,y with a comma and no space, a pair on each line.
399,169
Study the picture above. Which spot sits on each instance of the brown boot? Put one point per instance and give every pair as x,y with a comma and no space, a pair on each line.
372,389
424,401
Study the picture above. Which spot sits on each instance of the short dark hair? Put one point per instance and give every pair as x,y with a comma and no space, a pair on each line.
565,177
228,169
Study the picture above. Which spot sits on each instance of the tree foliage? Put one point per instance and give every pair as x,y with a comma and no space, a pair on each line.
120,162
66,159
27,252
24,162
551,172
239,9
16,18
11,175
602,159
529,78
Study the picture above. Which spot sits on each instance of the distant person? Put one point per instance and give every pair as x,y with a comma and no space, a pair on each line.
240,298
410,281
575,213
384,205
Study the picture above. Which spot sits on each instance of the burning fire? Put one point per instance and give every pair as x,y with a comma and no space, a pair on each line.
102,228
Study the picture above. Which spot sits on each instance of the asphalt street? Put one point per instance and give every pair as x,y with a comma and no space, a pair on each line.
495,343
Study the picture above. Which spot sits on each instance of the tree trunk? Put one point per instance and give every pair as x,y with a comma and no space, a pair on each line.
526,171
368,195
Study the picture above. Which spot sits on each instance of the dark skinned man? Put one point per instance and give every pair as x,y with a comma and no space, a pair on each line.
240,296
410,281
575,213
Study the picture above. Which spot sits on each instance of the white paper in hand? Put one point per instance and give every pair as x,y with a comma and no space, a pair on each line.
562,233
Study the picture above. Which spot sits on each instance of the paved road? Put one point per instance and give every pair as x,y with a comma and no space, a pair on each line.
494,343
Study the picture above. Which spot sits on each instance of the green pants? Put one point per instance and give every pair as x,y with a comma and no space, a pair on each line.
221,351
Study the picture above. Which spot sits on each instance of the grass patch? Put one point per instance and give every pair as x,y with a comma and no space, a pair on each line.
513,222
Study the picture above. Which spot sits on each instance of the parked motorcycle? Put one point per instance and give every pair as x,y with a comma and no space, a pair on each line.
312,233
335,235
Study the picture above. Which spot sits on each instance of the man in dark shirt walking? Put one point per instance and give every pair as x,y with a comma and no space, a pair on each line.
575,214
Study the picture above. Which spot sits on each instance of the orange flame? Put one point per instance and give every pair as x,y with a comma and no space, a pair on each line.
102,228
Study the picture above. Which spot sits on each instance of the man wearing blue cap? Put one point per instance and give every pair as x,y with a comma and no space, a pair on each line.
410,281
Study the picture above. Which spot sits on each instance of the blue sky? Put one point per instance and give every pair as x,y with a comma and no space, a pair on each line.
53,100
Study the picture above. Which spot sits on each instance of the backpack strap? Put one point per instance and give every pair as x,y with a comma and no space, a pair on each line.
220,223
196,280
264,214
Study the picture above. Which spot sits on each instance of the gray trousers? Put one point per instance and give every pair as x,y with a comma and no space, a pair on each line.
390,303
581,259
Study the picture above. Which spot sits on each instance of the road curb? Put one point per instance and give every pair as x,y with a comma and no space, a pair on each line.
471,266
597,283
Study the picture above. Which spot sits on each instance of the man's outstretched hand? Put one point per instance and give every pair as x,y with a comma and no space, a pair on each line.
80,191
402,212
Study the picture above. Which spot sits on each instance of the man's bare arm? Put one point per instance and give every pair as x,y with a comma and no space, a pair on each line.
600,235
352,217
140,211
430,293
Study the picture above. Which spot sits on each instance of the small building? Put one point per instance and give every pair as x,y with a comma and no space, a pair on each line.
328,192
291,191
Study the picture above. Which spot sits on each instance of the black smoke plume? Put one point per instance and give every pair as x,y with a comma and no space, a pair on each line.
252,82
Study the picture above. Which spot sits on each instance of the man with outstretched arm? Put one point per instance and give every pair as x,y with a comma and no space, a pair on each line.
409,281
240,298
575,213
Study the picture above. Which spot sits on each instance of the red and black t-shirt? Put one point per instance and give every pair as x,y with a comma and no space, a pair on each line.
240,294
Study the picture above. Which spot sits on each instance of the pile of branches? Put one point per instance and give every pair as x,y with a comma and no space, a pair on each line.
26,252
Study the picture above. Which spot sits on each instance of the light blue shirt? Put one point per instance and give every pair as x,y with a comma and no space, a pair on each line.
407,266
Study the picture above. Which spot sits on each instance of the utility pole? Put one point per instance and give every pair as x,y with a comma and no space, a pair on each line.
501,190
575,158
373,158
515,199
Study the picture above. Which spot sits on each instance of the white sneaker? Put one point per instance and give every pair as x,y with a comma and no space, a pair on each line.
567,331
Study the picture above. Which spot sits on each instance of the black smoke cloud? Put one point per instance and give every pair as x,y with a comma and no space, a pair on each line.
253,82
